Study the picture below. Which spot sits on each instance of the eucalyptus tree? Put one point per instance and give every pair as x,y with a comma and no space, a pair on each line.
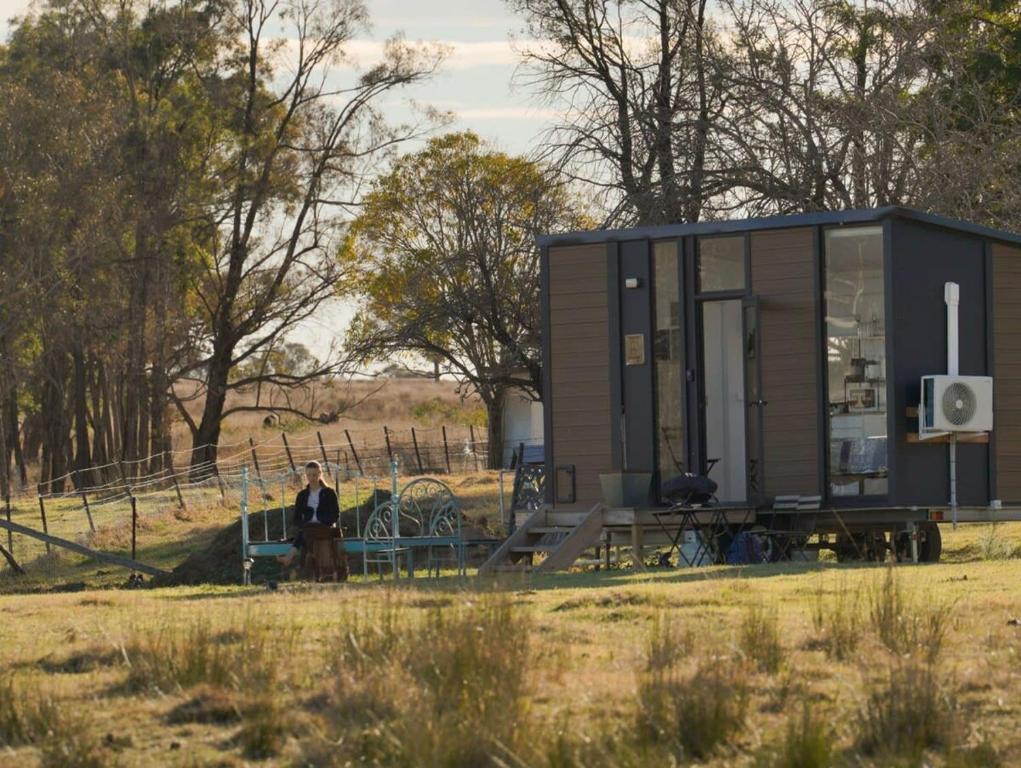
302,139
444,265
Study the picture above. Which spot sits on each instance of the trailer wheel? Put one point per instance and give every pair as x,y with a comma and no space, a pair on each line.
930,544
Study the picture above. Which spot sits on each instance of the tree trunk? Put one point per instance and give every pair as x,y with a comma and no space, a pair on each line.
204,443
494,428
82,460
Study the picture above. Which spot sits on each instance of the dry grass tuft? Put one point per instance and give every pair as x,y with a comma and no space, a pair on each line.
838,622
65,738
175,657
808,743
759,639
689,714
909,712
449,689
904,625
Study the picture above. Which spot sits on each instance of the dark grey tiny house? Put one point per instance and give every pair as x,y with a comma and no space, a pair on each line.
781,356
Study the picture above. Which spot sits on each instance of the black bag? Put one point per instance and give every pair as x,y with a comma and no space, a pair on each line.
689,489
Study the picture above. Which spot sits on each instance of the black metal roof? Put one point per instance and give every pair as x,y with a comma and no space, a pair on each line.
856,216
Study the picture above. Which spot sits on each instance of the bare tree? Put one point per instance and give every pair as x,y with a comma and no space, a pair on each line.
303,143
639,100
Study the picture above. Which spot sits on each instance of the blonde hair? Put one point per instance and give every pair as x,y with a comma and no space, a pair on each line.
324,477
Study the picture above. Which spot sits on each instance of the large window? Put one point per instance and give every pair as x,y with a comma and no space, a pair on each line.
856,361
721,264
670,453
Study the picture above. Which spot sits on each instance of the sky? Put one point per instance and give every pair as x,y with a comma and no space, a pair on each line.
475,84
476,81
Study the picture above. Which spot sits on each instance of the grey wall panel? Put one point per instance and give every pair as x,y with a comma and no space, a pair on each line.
636,319
924,259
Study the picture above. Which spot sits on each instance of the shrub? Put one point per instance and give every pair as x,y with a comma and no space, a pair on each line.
909,712
838,622
759,639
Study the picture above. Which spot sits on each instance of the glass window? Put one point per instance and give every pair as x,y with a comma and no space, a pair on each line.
721,264
670,452
856,361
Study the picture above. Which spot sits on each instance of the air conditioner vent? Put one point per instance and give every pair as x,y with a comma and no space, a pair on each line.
956,404
959,404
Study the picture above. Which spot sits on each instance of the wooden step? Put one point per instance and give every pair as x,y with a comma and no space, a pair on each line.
535,548
554,529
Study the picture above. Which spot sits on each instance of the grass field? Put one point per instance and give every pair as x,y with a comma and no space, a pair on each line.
789,665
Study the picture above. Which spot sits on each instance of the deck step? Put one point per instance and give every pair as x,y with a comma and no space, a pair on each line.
535,548
551,529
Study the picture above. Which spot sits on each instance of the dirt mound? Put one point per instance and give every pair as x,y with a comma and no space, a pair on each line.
220,562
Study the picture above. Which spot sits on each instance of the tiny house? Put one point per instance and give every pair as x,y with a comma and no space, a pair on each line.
781,357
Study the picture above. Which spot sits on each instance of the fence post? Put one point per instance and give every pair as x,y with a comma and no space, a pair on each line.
336,475
42,514
351,445
322,449
10,533
418,456
177,485
475,453
258,472
386,436
287,447
134,525
446,449
85,502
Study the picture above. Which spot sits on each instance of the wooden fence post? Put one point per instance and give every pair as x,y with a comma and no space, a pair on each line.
287,447
10,534
42,514
85,502
177,485
446,449
475,453
354,453
134,525
322,449
418,456
255,463
386,436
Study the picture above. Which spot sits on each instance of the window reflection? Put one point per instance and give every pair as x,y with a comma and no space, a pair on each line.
856,361
721,264
670,453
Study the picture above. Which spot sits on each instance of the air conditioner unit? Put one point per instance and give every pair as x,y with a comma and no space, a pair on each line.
956,404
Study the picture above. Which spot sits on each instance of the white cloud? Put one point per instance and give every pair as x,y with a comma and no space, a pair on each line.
461,55
507,113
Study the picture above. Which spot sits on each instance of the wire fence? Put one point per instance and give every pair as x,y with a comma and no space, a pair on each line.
127,502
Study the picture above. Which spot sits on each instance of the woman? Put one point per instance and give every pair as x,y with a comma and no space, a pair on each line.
316,505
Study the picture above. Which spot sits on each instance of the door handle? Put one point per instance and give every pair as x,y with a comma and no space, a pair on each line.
759,402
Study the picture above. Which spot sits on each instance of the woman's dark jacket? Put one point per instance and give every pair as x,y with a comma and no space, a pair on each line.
327,513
